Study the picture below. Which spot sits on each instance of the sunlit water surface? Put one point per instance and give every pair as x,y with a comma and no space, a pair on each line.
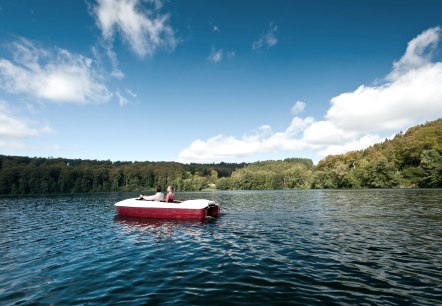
269,247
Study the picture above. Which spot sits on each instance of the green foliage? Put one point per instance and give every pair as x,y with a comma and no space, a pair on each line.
431,165
283,174
24,175
411,159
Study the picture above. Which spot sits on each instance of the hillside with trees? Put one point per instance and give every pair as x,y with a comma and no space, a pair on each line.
410,159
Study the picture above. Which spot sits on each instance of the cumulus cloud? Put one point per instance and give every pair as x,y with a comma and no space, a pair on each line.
220,147
418,53
143,30
350,145
267,40
52,75
410,94
298,107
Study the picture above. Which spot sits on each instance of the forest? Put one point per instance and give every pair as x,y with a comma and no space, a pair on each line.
409,160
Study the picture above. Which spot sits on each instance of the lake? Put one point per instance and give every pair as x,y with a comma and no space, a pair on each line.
302,247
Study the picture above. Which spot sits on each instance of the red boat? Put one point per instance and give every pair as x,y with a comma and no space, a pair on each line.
190,209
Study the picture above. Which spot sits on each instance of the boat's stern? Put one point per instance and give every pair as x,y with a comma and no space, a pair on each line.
213,210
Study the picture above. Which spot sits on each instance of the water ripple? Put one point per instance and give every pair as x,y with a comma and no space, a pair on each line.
275,247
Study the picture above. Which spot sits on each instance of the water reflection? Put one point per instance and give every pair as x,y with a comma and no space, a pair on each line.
162,228
312,247
138,222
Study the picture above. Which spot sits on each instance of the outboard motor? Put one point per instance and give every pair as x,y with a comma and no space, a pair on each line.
213,210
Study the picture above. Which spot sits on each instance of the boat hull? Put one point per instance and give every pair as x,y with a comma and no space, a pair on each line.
192,209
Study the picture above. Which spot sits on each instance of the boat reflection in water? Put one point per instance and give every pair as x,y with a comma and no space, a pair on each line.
163,228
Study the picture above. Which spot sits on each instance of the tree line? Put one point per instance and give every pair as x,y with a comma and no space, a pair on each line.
410,159
25,175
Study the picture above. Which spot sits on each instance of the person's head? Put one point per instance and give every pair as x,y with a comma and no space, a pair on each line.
169,188
159,188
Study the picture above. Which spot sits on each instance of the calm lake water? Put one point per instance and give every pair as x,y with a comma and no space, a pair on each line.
269,247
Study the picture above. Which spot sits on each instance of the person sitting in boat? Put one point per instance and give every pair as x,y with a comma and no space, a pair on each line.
159,196
170,194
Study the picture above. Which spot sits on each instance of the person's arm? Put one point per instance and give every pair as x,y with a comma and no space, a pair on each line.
159,196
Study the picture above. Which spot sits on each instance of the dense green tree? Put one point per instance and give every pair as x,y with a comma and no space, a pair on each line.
431,165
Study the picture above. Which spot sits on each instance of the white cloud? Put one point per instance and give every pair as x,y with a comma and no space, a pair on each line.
116,71
298,107
324,133
11,144
418,53
216,55
14,128
410,94
351,145
104,48
144,30
231,54
267,39
122,101
130,93
220,147
56,75
122,96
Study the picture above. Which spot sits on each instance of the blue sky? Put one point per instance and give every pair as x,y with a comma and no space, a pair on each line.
210,81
